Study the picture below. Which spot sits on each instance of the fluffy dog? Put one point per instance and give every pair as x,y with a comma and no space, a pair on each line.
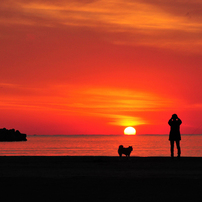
126,151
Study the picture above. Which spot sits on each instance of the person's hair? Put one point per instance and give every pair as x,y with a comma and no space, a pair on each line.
174,116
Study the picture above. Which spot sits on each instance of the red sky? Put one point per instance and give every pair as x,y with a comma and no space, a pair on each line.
95,67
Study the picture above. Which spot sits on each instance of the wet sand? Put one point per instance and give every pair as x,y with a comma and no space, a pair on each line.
68,178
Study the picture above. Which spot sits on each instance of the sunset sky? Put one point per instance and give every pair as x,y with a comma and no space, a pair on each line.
95,67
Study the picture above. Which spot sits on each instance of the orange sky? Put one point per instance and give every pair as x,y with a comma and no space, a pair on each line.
94,67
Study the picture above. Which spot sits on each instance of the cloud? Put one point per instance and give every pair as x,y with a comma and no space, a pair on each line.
169,24
111,103
117,15
123,120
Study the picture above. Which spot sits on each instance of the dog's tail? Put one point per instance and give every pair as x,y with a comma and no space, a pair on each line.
121,147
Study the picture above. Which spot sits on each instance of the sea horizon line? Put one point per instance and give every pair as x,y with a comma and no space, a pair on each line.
108,135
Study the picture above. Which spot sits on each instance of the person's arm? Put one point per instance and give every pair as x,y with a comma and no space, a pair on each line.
180,122
169,122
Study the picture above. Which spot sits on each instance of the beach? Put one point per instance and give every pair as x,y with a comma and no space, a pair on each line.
100,178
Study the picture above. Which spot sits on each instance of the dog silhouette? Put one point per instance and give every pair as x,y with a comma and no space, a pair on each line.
123,150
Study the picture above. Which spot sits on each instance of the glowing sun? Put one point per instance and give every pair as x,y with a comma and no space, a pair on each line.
129,131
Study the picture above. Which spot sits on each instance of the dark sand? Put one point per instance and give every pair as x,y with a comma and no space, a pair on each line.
100,179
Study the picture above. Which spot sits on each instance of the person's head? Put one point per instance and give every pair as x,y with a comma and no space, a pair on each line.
174,116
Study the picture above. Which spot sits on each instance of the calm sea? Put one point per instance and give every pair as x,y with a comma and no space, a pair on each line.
99,145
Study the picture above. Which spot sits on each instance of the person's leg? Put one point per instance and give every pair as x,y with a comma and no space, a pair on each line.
172,148
178,147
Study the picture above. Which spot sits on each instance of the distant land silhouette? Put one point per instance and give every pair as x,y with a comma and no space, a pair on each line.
9,135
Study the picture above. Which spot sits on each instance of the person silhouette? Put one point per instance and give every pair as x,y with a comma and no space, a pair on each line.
174,135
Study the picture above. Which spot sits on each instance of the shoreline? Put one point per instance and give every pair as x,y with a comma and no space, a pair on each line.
98,178
68,166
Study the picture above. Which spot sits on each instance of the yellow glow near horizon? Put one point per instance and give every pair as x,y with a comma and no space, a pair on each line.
129,131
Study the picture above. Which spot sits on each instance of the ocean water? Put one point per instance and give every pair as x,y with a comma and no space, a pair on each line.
100,145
